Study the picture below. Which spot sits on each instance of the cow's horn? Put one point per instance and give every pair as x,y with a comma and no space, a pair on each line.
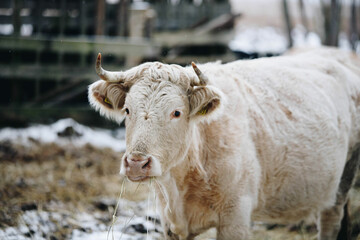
203,79
107,75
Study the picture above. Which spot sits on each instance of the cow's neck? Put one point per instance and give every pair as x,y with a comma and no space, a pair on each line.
193,161
175,184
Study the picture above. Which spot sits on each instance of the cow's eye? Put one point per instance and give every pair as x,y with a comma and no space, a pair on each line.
127,111
176,114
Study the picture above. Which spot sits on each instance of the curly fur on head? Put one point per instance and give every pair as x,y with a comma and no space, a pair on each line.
108,98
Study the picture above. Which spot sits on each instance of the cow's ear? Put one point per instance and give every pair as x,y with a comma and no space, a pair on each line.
206,103
108,99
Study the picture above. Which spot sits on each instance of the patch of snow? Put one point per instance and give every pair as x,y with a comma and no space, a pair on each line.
270,40
40,225
344,42
6,29
11,234
301,38
32,225
26,29
49,134
87,221
112,1
259,40
78,235
37,223
130,215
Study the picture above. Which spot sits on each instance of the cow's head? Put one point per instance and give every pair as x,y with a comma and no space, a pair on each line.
161,104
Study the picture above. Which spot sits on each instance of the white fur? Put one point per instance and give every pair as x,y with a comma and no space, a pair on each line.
274,150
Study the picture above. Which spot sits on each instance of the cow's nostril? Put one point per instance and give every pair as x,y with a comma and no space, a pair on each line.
146,164
126,162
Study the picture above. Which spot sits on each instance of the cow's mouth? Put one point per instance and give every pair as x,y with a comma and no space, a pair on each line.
138,178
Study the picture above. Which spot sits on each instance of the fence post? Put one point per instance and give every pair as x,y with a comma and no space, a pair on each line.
62,18
288,22
38,19
100,17
83,18
331,21
16,17
123,19
303,16
354,36
335,22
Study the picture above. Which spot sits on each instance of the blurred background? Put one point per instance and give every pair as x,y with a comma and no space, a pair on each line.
59,159
48,48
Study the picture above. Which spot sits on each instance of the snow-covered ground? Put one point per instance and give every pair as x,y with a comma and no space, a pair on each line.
133,219
79,135
130,224
259,40
270,40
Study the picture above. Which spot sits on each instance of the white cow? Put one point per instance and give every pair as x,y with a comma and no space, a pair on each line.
273,139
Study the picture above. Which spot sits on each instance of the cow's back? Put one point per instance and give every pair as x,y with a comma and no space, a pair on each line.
303,115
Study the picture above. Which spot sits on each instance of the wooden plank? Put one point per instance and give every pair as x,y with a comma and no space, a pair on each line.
51,73
186,60
47,96
171,39
121,46
66,96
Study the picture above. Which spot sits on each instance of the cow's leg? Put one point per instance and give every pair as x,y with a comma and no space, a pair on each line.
329,222
169,235
345,229
235,220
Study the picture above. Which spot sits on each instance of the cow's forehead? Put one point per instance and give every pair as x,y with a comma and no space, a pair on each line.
156,92
153,73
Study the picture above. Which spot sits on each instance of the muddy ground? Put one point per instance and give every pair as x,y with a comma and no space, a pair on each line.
54,192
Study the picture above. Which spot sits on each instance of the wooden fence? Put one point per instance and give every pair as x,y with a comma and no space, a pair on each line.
48,48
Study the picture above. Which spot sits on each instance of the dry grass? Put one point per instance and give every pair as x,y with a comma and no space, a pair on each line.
42,173
36,176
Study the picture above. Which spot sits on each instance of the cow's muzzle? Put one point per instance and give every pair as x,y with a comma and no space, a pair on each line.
139,167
